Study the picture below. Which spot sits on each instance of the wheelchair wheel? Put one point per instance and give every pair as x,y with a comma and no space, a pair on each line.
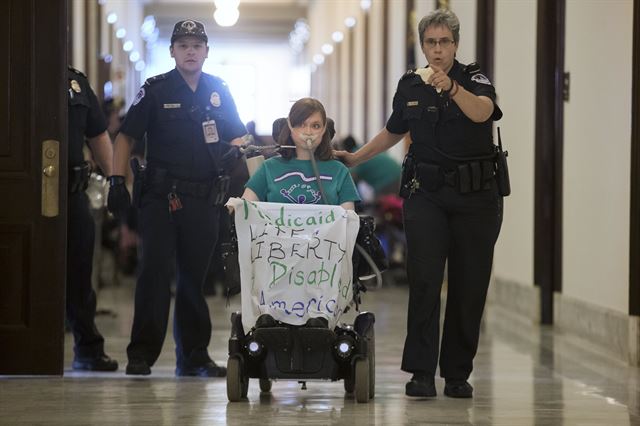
237,384
372,364
362,380
265,385
349,384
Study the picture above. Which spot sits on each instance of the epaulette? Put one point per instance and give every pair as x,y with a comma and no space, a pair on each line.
213,79
155,79
72,69
408,74
472,68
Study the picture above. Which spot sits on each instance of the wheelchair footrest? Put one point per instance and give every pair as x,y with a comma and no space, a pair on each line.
295,352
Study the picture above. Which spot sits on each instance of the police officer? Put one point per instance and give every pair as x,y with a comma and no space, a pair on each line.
453,211
85,121
189,120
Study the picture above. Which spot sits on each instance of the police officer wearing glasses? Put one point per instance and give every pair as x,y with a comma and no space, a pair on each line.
86,125
452,207
191,123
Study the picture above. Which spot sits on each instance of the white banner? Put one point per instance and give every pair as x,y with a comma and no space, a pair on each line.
295,260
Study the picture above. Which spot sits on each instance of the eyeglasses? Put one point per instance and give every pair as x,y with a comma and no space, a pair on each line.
443,42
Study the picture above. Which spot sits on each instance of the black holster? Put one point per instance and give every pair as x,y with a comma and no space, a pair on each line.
79,177
139,180
219,190
407,181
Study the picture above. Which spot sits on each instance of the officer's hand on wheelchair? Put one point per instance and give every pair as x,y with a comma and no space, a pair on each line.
231,155
119,200
347,158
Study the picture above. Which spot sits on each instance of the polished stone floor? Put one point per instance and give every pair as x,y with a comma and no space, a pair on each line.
524,375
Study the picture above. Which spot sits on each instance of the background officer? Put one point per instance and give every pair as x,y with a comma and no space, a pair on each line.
453,211
85,120
189,119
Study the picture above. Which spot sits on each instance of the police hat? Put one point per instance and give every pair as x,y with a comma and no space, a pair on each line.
189,27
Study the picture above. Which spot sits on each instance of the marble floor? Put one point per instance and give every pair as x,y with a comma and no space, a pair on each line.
524,375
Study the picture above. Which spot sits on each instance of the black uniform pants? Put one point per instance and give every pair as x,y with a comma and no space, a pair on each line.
462,228
186,237
80,296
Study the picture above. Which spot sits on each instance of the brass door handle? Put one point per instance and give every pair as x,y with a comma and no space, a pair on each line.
49,171
50,178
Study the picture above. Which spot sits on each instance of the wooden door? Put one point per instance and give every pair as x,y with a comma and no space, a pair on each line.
33,42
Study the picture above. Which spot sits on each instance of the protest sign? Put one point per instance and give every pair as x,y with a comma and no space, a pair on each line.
295,260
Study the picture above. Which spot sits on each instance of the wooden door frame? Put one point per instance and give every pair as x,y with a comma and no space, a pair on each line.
549,147
634,226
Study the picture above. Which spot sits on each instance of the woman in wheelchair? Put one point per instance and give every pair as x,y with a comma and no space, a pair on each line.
304,173
292,177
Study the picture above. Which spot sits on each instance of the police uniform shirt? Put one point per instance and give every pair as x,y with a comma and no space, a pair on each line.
171,115
85,115
434,120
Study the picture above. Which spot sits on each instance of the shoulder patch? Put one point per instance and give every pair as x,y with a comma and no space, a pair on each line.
480,78
155,79
139,96
73,70
409,73
472,68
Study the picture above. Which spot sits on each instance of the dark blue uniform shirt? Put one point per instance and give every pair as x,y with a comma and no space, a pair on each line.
435,121
85,115
170,114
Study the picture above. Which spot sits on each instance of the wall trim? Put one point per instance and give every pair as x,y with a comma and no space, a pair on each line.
597,329
521,299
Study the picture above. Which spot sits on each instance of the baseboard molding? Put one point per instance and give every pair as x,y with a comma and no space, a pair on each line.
512,296
603,330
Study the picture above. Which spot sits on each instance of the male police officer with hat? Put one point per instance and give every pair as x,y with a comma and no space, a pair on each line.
191,124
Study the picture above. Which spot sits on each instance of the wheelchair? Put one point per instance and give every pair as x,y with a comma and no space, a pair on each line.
281,351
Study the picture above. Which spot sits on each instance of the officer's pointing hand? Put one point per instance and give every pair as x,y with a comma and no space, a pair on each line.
119,200
439,79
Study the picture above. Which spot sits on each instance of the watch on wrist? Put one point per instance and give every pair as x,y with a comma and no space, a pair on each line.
116,180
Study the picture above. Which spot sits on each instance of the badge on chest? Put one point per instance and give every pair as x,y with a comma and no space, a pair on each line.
210,131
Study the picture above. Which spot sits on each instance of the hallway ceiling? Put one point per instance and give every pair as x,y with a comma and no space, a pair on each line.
260,20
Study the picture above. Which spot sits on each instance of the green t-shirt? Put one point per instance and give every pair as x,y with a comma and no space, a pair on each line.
293,181
379,172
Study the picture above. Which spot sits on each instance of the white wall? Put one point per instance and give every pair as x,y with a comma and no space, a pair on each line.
515,78
597,135
126,80
466,12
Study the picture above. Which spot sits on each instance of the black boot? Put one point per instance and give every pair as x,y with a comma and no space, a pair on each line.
458,388
421,385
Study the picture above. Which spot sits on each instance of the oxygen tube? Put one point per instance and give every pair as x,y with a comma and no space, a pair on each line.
309,145
249,148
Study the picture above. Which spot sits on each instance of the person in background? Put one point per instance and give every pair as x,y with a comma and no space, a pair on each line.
86,123
452,210
191,125
381,173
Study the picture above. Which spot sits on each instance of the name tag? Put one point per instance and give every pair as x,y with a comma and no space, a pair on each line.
412,103
171,106
210,131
